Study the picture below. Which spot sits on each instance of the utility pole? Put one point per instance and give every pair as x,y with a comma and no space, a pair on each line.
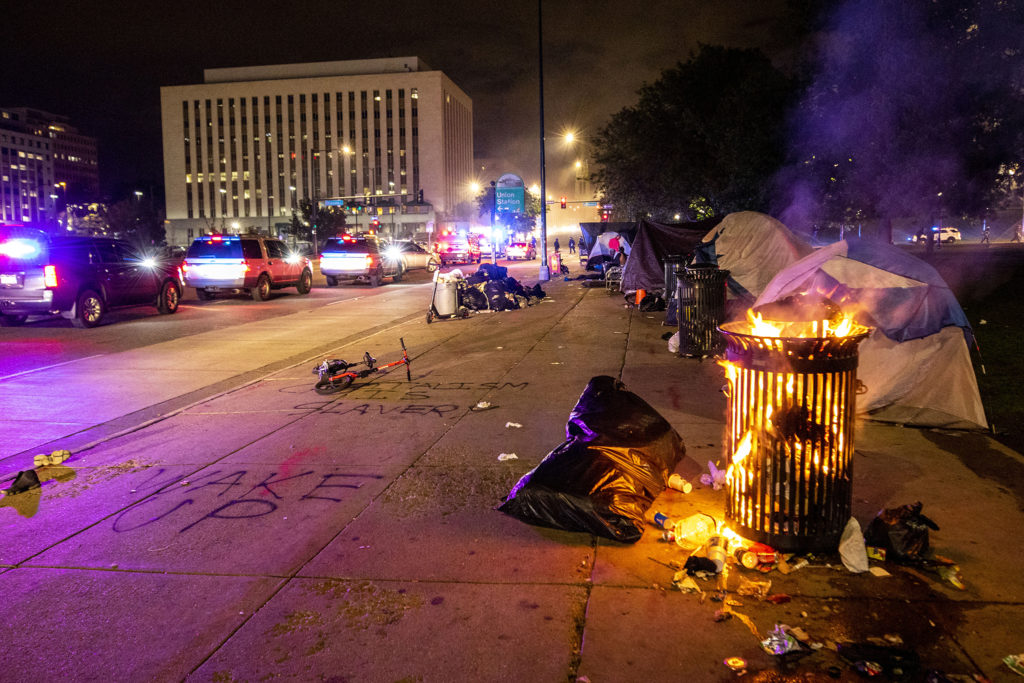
545,274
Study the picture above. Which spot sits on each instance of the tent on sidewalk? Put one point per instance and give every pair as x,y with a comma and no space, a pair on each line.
753,247
593,232
916,364
654,242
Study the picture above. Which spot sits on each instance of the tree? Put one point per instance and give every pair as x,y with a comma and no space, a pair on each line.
912,109
709,132
330,221
137,220
516,222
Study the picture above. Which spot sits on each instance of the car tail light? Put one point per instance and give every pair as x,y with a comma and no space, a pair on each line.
50,276
369,262
184,266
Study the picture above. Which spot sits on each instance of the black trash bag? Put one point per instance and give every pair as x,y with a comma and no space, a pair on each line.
492,271
903,532
474,298
652,302
498,296
616,459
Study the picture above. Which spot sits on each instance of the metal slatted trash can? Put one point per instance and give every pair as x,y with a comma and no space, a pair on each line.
701,309
672,263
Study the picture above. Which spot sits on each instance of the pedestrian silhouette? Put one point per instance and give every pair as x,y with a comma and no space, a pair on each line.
572,246
556,244
985,236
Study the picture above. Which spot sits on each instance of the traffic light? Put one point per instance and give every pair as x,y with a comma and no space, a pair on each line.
420,197
606,215
563,202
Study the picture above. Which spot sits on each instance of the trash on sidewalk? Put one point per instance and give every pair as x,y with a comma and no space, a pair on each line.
714,477
902,532
55,458
482,405
677,483
756,589
851,548
1016,663
507,456
24,481
690,532
516,425
616,459
868,659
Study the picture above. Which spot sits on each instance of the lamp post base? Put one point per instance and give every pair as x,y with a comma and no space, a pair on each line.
545,274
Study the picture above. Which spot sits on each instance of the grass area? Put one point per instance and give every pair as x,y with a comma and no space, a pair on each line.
989,283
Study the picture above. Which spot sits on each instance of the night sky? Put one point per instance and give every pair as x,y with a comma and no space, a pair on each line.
103,64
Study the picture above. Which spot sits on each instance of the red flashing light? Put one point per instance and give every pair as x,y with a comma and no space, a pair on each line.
217,238
563,202
50,276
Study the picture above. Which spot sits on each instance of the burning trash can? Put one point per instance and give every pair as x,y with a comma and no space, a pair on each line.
701,308
791,391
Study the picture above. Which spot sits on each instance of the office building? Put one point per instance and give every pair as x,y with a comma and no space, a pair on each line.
245,147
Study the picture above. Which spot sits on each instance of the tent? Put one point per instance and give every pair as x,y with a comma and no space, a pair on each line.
654,242
593,230
753,247
915,365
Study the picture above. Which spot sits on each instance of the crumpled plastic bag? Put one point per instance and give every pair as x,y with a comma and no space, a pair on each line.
852,551
903,532
616,459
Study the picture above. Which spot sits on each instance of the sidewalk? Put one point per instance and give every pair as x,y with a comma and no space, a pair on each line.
269,532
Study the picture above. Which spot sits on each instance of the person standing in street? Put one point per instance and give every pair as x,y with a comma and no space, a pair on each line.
556,244
985,235
572,246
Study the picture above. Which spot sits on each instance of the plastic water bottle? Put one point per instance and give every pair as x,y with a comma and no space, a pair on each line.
694,531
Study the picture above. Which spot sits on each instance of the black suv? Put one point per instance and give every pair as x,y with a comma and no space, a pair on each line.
78,277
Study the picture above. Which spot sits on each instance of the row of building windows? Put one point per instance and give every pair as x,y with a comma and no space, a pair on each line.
282,148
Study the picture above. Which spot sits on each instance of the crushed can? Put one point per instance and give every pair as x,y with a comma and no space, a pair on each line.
755,555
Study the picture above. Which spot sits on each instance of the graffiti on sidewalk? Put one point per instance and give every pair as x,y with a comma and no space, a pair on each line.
235,495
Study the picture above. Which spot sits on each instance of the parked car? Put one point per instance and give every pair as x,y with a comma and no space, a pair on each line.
358,258
520,250
458,249
79,278
215,264
413,256
947,234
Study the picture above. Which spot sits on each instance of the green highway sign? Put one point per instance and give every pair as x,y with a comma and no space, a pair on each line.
508,199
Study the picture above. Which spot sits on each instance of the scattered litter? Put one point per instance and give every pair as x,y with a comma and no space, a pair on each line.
879,572
737,664
677,483
902,532
951,573
25,481
869,660
507,456
851,548
513,424
555,362
1016,663
483,405
875,553
780,641
779,598
757,589
685,583
55,458
786,568
184,483
748,622
714,477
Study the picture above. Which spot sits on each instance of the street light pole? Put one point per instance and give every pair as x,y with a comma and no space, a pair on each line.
545,274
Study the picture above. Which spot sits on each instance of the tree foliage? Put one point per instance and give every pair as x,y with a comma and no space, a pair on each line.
912,109
708,132
136,220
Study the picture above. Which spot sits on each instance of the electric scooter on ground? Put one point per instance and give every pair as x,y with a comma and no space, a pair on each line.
336,374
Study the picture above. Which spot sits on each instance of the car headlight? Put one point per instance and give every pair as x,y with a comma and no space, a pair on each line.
149,262
393,253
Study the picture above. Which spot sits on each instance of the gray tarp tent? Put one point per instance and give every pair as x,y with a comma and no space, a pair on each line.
654,242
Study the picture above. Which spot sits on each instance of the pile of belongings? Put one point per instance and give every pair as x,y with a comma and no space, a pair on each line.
490,288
